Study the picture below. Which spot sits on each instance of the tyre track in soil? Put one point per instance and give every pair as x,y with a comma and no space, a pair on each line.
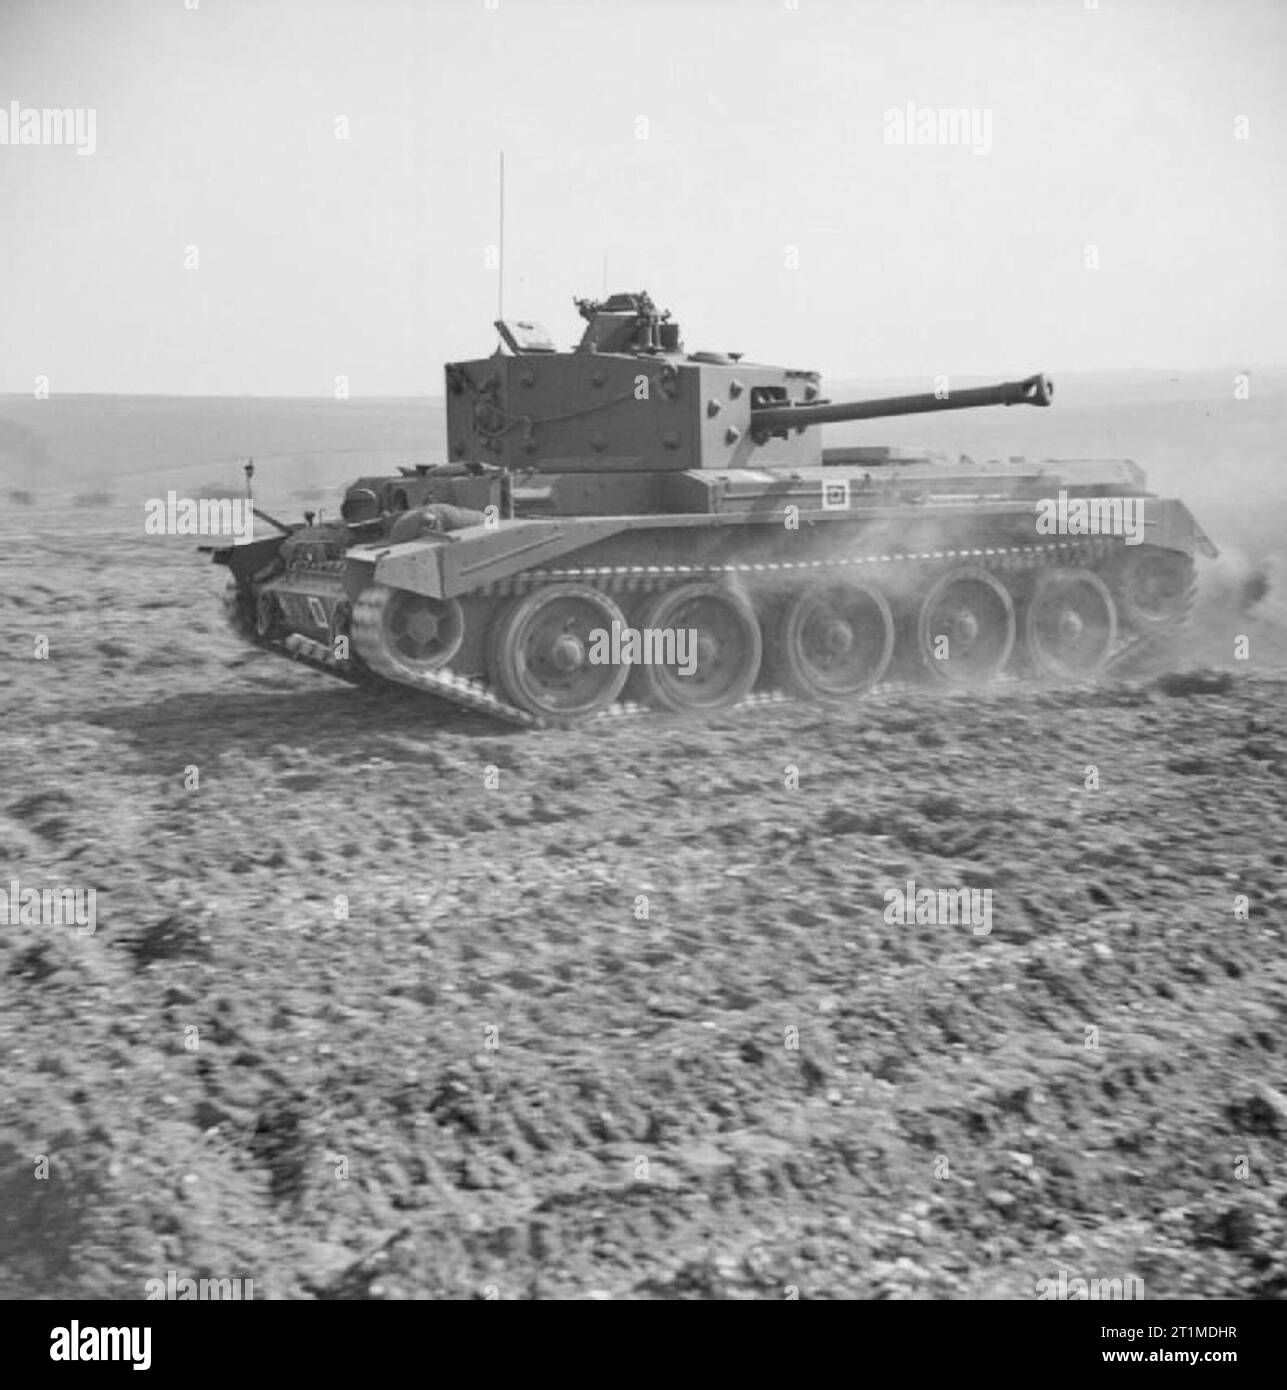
625,1042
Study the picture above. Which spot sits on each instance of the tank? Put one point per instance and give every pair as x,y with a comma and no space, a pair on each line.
627,526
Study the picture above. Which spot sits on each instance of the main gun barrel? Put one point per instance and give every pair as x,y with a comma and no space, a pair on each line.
778,419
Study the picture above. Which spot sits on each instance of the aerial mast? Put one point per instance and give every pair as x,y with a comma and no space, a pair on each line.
500,247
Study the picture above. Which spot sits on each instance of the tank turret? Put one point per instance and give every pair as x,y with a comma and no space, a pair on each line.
629,399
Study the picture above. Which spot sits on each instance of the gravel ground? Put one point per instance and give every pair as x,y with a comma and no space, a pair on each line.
619,1013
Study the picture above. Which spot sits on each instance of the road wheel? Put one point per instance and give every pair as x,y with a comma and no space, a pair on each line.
832,642
544,652
966,627
722,635
1070,627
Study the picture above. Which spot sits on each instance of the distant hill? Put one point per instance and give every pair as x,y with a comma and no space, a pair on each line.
134,446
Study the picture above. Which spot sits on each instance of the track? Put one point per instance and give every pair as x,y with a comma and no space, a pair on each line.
473,693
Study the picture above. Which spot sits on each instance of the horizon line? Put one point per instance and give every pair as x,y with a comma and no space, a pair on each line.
419,396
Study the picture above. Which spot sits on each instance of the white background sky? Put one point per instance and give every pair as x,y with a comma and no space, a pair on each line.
215,127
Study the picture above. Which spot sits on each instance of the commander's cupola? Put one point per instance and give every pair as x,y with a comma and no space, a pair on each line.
627,323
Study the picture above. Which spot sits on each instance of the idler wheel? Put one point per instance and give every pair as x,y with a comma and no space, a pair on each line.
718,631
545,650
832,643
974,612
1155,588
1070,627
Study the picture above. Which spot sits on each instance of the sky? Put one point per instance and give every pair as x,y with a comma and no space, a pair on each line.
1119,200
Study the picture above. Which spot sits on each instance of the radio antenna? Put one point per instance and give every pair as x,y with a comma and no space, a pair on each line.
500,261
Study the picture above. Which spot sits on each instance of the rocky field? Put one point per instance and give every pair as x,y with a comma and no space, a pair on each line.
385,1001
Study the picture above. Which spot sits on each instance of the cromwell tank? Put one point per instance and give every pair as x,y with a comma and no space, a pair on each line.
628,525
